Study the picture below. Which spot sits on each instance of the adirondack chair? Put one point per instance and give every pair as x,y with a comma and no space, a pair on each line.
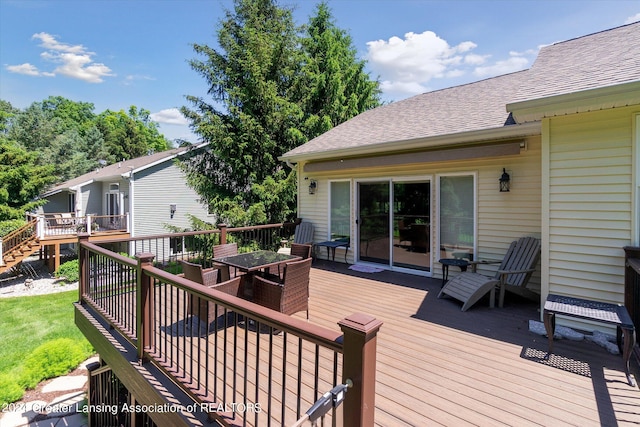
512,275
303,235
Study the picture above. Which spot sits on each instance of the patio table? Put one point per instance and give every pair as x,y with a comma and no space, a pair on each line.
252,262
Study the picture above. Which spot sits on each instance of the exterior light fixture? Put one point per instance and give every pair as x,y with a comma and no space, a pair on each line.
313,186
172,209
505,181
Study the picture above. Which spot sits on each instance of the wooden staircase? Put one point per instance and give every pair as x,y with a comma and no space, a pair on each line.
18,245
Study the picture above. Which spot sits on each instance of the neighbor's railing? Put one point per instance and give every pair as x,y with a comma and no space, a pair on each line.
16,238
68,224
239,361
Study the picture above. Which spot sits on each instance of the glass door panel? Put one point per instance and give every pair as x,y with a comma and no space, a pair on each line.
411,225
457,213
373,222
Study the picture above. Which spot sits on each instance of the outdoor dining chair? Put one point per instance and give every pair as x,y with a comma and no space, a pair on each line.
288,296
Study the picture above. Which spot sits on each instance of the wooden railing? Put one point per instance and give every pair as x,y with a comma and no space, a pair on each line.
16,238
168,249
261,366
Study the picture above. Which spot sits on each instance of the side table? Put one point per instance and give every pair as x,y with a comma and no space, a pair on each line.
456,262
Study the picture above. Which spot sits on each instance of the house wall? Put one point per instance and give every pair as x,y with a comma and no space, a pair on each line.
156,188
589,203
502,217
92,196
57,203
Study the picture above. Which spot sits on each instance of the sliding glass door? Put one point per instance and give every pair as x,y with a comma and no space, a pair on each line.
394,226
373,222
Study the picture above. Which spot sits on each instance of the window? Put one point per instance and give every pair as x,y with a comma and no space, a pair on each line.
72,202
457,216
340,210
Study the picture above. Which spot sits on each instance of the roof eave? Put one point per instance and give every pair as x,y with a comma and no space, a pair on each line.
613,96
449,140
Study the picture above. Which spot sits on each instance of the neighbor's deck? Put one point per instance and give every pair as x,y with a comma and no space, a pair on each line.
439,366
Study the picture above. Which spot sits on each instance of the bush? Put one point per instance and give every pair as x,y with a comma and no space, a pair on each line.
52,359
10,225
10,390
69,271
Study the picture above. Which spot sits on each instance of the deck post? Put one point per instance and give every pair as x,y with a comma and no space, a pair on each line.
144,304
1,257
223,233
83,266
359,365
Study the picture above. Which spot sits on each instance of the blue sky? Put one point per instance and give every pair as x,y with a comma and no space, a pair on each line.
119,53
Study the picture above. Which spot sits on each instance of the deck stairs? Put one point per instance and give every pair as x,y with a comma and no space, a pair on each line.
18,245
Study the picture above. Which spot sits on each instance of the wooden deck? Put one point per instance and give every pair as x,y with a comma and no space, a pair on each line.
439,366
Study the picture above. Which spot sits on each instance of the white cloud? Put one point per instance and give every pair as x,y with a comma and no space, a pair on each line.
76,62
514,63
417,58
633,18
406,66
26,69
169,116
131,78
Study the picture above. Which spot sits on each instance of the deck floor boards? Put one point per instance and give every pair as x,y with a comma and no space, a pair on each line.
437,365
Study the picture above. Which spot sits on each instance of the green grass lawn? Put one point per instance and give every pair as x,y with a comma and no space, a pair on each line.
28,322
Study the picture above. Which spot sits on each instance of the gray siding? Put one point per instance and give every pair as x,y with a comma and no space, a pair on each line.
155,189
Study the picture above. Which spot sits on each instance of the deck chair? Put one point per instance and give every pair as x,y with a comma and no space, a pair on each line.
288,296
303,235
209,278
512,275
221,251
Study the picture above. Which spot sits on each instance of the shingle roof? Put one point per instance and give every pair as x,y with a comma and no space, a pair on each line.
119,168
602,59
597,60
474,106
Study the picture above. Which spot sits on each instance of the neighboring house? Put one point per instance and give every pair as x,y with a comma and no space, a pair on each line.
427,170
150,190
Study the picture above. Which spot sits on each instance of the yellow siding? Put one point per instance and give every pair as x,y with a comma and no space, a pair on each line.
502,217
590,216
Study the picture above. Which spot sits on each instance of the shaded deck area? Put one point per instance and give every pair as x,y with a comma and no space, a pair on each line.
439,366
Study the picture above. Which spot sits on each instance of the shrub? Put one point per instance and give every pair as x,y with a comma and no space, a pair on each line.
51,359
69,271
10,225
10,390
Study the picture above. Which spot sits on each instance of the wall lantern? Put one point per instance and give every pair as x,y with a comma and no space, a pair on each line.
505,181
313,186
172,209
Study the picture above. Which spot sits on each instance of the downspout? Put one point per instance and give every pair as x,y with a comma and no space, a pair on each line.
131,204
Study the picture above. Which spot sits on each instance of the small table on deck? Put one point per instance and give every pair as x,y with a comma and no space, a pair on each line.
615,314
331,245
456,262
251,262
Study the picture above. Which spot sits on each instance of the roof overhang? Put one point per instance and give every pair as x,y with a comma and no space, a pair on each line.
614,96
478,137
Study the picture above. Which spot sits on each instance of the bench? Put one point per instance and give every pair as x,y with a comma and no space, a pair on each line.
614,314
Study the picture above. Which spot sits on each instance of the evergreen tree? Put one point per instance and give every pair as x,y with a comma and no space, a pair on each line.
270,90
334,86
